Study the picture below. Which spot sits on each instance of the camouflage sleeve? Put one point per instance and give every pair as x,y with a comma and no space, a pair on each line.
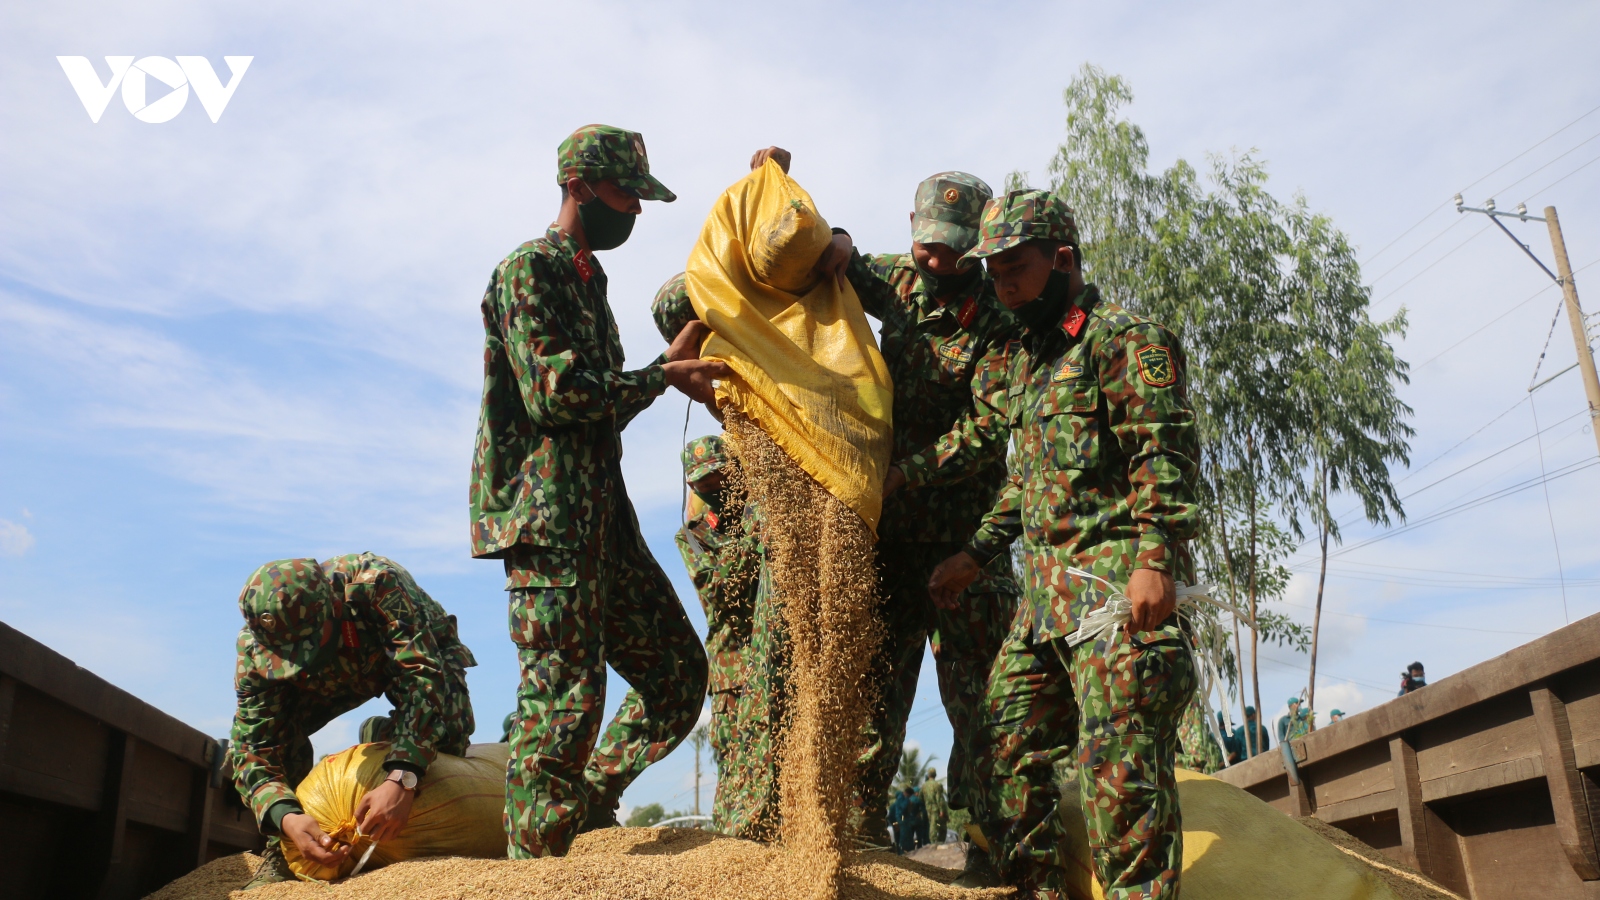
671,309
417,687
558,386
977,439
697,558
1000,526
869,276
1142,377
257,746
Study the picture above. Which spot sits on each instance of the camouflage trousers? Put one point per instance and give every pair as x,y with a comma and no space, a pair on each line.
610,604
1118,702
965,643
1197,746
748,806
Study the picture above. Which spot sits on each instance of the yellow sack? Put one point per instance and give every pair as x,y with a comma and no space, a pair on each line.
809,371
1236,847
457,813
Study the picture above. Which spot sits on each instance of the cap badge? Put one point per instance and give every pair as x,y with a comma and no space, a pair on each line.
951,195
269,621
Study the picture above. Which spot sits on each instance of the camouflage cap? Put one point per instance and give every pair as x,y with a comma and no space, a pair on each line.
1022,216
949,209
288,607
671,308
600,152
703,456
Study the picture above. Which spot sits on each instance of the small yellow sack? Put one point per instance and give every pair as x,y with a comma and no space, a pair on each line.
1236,847
809,371
458,811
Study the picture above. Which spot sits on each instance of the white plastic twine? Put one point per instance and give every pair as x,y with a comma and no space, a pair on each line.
1118,609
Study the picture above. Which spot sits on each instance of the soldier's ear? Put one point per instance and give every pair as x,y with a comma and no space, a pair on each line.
578,190
1066,258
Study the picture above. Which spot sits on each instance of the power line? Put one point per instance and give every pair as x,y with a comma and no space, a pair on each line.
1537,144
1425,245
1430,266
1547,165
1549,510
1485,326
1419,624
1448,512
1563,178
1321,671
1518,579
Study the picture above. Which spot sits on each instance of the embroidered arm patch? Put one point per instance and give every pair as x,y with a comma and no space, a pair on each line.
1155,366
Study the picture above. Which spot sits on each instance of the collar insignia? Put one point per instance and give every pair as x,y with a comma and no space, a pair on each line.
1075,320
969,311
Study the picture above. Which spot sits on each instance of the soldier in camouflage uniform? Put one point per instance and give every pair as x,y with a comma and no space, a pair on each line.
320,640
548,498
1104,469
940,321
721,547
1197,746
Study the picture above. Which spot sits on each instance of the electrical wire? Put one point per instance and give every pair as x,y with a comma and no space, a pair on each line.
1416,624
1425,245
1485,326
1547,165
1562,178
1536,144
1549,510
1429,268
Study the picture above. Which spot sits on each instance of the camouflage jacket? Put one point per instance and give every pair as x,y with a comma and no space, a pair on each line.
1105,460
723,556
394,641
555,400
934,352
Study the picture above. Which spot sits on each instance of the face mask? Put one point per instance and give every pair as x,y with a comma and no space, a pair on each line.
947,285
606,228
1048,309
713,501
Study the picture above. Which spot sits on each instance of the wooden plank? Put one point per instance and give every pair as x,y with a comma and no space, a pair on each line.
1360,807
1567,798
8,702
50,673
1408,802
1496,731
1572,647
49,788
197,835
1348,776
1488,778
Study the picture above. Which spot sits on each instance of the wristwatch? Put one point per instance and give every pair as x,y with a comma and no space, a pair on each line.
406,778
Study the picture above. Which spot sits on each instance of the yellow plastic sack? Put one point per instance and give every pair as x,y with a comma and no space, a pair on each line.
457,812
1236,847
809,371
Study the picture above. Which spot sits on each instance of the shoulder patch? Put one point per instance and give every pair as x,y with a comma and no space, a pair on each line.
1155,366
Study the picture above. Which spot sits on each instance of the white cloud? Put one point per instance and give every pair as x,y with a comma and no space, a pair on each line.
15,538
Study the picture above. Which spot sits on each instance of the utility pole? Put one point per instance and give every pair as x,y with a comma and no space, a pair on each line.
1569,291
1580,334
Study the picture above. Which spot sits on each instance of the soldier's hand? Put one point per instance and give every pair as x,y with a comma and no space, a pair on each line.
312,843
776,154
836,258
383,811
694,377
950,578
1154,598
893,481
687,344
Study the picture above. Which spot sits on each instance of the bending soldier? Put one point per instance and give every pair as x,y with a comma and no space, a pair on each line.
320,640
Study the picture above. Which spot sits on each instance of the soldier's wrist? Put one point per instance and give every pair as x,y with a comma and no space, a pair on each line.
279,811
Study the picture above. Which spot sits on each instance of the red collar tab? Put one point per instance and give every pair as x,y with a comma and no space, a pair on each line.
711,518
349,631
581,261
1075,320
969,311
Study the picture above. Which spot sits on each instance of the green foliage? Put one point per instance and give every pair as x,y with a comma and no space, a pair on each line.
913,769
1294,385
645,816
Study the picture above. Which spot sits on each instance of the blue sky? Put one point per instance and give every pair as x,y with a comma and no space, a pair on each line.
227,343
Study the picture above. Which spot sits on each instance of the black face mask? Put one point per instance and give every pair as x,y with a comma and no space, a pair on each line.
1047,310
713,500
604,227
947,285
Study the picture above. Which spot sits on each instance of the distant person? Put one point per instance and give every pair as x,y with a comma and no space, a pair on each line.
1412,678
1229,743
938,808
1296,724
913,821
1335,716
1247,744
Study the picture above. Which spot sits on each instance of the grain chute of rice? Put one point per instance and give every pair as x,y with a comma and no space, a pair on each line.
808,415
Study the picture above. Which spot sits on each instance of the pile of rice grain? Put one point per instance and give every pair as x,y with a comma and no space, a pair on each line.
822,561
612,864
